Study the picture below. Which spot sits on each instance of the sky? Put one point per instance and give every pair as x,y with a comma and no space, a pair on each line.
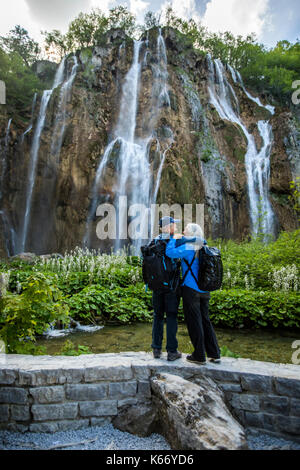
271,20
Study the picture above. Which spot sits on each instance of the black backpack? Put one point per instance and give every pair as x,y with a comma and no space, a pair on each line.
210,273
159,271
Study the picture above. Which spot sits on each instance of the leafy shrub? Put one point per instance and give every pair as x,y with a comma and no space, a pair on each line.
30,313
122,305
246,309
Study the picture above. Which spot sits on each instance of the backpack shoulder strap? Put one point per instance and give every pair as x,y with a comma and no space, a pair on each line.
189,265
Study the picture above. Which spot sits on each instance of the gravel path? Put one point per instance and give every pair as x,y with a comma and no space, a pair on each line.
108,438
262,441
92,438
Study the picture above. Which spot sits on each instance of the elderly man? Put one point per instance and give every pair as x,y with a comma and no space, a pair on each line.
166,301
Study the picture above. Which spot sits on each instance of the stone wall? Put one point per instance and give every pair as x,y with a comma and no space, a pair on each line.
52,393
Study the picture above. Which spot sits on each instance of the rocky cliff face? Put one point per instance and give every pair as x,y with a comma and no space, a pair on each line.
198,155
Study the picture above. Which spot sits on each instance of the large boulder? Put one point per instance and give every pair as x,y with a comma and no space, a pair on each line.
195,416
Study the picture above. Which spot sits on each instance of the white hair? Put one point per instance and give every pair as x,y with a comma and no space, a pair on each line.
196,231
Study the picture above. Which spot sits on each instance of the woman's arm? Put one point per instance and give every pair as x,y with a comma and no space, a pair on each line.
175,251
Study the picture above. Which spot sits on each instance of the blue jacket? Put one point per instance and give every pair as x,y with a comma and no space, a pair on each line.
182,248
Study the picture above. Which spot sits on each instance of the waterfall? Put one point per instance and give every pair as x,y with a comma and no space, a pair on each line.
3,156
134,175
236,77
8,231
31,120
35,150
9,234
60,118
223,97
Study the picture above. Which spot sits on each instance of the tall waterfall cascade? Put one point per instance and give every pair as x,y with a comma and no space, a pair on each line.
57,137
257,162
35,150
134,175
9,233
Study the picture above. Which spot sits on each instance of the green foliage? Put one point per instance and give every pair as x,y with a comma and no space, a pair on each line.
295,196
30,313
260,290
69,349
21,84
18,42
87,29
247,309
119,305
257,259
225,352
266,70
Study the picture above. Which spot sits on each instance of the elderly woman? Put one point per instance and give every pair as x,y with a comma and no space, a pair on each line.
195,301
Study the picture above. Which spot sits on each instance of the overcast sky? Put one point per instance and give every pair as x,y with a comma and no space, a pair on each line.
271,20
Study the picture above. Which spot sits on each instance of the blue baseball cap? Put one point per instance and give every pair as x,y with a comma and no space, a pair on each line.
168,220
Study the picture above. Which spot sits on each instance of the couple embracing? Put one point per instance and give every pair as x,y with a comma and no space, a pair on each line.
184,248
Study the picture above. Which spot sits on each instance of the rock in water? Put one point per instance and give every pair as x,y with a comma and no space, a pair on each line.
195,416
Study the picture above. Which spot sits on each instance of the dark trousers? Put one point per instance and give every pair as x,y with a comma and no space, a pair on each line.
165,302
201,332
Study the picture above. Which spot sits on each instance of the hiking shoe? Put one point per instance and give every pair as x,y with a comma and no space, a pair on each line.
156,353
216,360
172,356
192,359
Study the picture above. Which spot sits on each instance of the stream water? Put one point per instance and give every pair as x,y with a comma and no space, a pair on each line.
261,345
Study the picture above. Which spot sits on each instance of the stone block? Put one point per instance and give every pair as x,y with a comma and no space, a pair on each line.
52,394
95,374
122,389
73,376
41,377
98,408
256,383
127,402
55,426
7,376
100,421
4,413
13,395
260,420
29,378
221,375
288,387
20,412
141,372
144,388
230,387
86,392
288,424
17,427
295,407
54,412
245,401
255,420
275,404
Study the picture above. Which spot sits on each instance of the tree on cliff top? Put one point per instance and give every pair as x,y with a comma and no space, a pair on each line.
18,41
87,30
